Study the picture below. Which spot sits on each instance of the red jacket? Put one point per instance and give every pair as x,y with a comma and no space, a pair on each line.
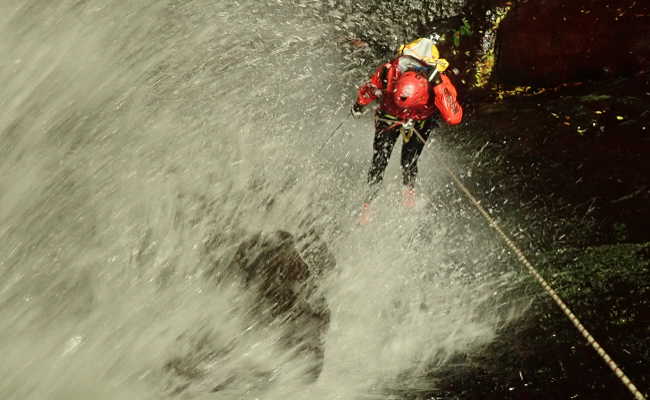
383,82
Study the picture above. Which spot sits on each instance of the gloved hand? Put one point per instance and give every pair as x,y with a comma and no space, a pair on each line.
357,110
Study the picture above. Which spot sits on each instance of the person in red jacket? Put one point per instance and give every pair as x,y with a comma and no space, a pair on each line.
413,94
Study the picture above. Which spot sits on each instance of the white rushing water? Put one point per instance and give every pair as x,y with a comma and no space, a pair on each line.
131,133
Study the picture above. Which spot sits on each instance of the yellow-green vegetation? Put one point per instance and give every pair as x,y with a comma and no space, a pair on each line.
484,69
464,30
519,91
485,64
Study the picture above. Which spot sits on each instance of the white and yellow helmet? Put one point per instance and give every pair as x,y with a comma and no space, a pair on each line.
425,50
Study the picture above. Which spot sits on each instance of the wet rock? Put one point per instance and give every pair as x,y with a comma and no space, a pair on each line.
567,179
272,267
271,264
358,43
569,144
542,356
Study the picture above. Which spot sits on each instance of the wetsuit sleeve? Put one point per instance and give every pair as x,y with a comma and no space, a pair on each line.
371,90
446,101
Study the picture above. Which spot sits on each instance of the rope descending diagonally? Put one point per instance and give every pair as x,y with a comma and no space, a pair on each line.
549,290
331,135
533,271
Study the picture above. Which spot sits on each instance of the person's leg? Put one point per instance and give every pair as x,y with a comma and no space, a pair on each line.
412,149
385,137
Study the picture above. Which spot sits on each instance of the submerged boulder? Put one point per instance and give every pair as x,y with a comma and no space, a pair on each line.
280,293
270,264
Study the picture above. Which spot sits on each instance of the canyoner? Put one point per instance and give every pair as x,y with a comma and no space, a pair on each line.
414,93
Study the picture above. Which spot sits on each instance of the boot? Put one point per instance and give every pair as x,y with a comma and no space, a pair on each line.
408,197
364,216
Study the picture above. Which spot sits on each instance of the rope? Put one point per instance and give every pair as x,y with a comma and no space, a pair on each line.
551,292
533,271
331,135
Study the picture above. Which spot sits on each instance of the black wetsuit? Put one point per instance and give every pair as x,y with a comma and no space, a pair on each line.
386,134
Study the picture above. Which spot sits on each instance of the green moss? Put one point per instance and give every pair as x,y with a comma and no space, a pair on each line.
594,98
606,285
465,29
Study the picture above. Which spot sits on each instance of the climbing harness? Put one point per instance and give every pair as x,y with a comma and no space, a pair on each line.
549,290
407,129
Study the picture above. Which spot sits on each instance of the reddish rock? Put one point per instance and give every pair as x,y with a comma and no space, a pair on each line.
547,42
358,43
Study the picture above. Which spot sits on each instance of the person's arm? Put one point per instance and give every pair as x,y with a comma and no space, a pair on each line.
372,89
446,101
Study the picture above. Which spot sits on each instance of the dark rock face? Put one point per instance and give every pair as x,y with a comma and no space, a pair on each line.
565,168
282,274
385,25
548,42
271,265
542,357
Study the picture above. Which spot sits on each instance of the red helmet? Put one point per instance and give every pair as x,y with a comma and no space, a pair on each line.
411,90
